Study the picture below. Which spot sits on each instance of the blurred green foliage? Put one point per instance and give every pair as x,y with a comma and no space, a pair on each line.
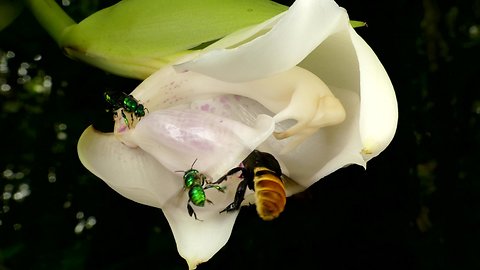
415,207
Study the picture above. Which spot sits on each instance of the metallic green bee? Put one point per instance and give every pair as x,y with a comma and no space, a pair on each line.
196,183
126,103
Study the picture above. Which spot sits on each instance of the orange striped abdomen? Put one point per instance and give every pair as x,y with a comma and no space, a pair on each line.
270,196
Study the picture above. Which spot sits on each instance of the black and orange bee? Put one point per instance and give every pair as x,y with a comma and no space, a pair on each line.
261,173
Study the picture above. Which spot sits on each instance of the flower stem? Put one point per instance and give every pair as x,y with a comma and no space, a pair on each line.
51,16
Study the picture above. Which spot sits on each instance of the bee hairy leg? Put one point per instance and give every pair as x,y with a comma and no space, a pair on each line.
231,172
239,196
217,187
125,119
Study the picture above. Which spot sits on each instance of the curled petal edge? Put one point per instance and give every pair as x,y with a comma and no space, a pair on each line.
130,171
378,108
298,31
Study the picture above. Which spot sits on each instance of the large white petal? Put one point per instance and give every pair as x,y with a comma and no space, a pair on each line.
293,94
198,240
178,137
300,30
130,171
345,61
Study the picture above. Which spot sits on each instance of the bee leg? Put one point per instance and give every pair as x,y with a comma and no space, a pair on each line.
232,171
217,187
191,212
239,195
125,119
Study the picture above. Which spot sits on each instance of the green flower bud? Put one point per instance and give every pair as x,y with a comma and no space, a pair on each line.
134,38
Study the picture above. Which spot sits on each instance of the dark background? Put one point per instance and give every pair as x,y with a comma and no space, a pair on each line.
417,206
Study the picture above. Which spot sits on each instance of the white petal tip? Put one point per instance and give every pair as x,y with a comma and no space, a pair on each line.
372,148
193,263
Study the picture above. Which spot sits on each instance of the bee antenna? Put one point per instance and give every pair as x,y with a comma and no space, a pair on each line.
190,167
193,163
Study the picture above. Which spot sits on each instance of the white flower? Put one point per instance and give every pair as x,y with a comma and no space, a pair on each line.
306,64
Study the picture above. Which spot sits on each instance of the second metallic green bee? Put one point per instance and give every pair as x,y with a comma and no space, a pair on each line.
196,183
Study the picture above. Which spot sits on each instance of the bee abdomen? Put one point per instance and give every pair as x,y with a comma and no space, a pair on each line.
197,195
270,194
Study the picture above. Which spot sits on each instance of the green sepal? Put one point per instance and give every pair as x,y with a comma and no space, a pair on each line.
134,38
356,24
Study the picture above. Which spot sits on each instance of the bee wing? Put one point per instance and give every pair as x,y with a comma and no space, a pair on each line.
286,179
291,187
